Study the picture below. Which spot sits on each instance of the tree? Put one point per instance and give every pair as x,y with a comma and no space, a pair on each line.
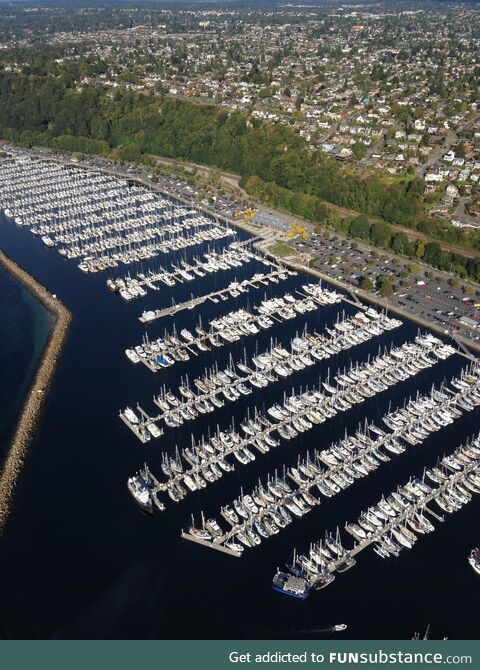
380,235
360,227
385,287
359,150
400,244
433,254
321,212
419,248
334,219
366,283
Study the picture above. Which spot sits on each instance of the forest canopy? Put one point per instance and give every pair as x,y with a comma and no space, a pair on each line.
275,163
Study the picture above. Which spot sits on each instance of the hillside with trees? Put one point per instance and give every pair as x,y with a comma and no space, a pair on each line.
276,164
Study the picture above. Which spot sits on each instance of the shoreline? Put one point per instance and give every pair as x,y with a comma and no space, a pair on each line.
37,393
266,235
262,236
365,297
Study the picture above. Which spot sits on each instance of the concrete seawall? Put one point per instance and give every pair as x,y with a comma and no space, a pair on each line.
38,390
370,298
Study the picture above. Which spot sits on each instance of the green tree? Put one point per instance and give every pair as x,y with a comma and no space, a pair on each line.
360,227
321,212
366,283
400,243
385,287
359,150
380,235
419,248
433,254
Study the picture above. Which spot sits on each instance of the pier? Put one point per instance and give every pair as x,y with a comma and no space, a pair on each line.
231,442
298,504
228,328
403,516
212,545
231,257
346,334
242,287
463,349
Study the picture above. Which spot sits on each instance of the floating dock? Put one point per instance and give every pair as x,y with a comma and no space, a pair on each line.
245,286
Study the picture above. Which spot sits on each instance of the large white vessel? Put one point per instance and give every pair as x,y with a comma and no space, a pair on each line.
139,486
48,242
474,560
131,416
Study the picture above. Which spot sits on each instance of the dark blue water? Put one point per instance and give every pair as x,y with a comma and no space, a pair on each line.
24,328
80,559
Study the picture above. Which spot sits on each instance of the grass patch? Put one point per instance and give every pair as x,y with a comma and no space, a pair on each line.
281,249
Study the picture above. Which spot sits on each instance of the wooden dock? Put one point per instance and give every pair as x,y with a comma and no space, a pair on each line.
254,442
421,505
150,360
177,274
211,545
315,339
134,428
243,524
241,287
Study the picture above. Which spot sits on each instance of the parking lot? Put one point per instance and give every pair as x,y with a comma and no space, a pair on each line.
426,293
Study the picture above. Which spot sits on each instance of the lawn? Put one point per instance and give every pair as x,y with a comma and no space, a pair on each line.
281,249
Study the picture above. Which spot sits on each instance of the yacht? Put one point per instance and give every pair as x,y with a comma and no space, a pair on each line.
139,487
474,560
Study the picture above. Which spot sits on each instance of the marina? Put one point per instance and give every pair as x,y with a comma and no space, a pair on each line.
298,414
234,256
214,386
272,506
97,220
233,290
293,410
231,327
395,523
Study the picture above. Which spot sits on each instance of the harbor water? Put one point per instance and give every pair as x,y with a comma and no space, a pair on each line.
24,328
80,559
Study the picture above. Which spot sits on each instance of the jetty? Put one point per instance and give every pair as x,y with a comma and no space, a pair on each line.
33,404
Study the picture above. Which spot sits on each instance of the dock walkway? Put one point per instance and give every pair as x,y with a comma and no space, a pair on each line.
236,442
241,287
403,516
370,447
